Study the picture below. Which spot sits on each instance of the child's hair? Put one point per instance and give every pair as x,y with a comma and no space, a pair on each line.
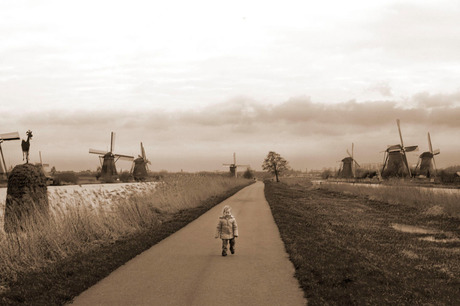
227,210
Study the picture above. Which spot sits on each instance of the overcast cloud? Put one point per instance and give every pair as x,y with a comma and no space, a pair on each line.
311,135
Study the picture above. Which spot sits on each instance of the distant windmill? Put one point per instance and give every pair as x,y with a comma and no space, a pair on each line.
234,167
426,162
6,137
140,168
108,159
395,160
347,169
44,166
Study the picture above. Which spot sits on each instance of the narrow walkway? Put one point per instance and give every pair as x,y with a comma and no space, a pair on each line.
187,268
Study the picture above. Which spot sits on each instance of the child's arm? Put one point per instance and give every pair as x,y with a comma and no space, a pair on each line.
219,229
235,229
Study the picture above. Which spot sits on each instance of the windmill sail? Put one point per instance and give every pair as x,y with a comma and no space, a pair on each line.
9,136
112,142
100,152
124,157
6,137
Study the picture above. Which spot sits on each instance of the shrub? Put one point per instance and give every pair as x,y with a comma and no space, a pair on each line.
326,174
67,177
448,177
125,176
248,174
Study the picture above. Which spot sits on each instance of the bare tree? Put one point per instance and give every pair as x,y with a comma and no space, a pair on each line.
275,164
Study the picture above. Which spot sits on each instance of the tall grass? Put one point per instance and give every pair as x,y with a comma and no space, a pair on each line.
80,228
429,200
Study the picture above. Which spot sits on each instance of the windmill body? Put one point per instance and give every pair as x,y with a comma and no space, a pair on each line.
395,160
395,165
347,169
108,165
427,165
234,167
140,168
108,159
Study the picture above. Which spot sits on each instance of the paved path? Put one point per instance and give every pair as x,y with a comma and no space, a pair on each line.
187,268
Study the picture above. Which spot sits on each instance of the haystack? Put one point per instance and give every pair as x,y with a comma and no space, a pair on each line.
26,198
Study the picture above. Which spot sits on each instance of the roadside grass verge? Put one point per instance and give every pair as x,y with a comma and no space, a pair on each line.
348,250
58,258
428,200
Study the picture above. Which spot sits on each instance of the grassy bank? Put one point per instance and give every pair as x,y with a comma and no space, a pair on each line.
348,250
54,261
428,200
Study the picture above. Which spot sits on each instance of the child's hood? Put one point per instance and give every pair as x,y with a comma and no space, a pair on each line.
227,211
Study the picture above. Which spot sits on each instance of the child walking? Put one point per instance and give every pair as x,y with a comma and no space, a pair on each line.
227,230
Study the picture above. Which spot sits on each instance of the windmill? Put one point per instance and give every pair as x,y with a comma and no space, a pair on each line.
108,159
44,166
233,167
139,168
395,159
6,137
426,160
347,169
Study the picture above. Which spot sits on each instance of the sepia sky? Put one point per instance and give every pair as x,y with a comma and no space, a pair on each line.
198,80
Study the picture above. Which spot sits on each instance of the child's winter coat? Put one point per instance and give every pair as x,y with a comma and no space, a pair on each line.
227,227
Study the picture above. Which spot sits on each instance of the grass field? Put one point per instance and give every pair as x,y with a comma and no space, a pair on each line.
350,250
53,261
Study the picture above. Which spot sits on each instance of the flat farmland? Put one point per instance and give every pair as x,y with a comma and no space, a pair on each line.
349,249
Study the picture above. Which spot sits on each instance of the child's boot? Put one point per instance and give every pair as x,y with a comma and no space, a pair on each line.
224,253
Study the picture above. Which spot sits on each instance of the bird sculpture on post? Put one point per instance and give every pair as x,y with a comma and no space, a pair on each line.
26,146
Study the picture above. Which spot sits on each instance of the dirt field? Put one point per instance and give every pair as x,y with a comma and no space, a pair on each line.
350,250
